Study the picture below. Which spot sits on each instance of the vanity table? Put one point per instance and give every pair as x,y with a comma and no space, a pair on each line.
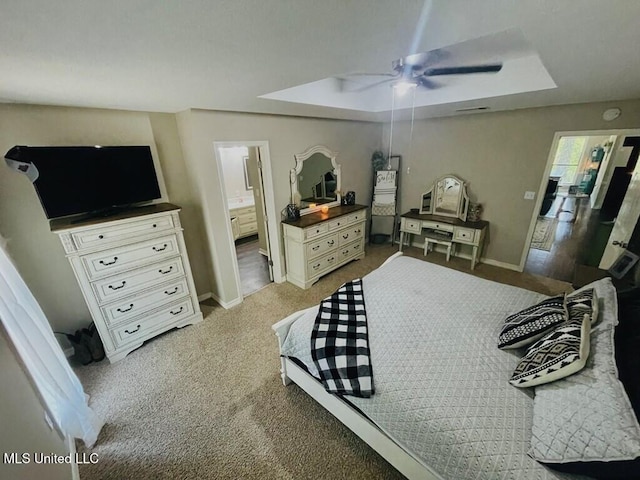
445,231
442,219
327,235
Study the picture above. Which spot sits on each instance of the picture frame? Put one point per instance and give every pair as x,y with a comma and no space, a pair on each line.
623,264
247,178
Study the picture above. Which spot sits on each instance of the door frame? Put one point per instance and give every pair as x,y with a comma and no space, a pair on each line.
547,170
268,195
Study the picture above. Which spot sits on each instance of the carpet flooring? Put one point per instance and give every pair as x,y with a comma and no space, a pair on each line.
206,401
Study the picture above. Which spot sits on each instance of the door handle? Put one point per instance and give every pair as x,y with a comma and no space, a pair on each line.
620,244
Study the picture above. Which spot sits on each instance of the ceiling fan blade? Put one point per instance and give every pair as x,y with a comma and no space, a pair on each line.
487,68
372,85
348,76
350,85
427,83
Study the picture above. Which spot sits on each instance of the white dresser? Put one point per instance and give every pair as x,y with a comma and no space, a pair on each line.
318,243
134,273
243,221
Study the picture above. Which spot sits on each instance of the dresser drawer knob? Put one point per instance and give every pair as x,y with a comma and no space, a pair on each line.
124,282
345,236
123,310
100,237
132,331
154,225
176,312
315,248
316,266
330,243
358,232
106,264
331,259
164,272
175,290
160,249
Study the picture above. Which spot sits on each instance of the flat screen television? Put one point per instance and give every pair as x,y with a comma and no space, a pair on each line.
92,180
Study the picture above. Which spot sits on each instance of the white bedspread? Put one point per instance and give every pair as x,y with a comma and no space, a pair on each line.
442,388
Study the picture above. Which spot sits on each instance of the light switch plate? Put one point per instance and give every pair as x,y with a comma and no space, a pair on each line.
529,195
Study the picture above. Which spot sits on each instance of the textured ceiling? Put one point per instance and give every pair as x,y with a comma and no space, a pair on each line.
225,54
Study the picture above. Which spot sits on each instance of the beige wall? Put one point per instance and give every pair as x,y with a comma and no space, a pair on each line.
501,155
37,252
181,192
354,142
22,422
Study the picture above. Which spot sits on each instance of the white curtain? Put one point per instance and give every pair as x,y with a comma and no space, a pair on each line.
39,350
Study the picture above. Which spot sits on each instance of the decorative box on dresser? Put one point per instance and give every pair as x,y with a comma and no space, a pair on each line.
134,274
318,243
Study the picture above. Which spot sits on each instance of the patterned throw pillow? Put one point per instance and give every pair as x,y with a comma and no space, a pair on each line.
527,326
584,300
558,354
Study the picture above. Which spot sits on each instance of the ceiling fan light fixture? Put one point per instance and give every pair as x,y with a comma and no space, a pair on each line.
403,86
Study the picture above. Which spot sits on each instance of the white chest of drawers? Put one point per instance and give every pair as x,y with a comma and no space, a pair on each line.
134,274
321,242
245,222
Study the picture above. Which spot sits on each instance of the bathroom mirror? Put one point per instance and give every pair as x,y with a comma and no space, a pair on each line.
315,180
447,197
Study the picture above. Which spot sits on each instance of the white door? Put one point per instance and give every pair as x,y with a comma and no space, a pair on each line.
261,212
600,178
624,223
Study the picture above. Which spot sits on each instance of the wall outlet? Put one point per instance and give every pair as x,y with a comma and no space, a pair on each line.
529,195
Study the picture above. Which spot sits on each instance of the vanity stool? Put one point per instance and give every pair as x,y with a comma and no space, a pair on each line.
429,244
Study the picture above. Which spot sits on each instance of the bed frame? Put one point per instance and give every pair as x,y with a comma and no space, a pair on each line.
403,461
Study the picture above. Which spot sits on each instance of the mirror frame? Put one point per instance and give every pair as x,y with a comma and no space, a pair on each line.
428,206
293,174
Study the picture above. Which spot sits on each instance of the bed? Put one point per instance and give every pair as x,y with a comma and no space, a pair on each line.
443,407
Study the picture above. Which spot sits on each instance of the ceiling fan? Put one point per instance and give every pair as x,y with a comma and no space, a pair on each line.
417,70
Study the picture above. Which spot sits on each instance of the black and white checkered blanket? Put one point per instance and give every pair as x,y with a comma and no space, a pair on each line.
340,343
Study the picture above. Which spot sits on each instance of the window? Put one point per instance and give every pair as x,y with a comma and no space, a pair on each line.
566,164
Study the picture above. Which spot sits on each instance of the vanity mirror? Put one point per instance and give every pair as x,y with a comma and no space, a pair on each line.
447,197
315,180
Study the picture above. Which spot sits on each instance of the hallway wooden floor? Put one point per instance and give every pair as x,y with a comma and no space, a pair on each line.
254,270
572,244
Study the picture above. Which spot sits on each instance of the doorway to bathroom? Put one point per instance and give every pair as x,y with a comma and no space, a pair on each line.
244,187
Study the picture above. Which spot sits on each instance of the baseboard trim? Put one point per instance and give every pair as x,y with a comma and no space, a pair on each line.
75,471
205,296
227,305
505,265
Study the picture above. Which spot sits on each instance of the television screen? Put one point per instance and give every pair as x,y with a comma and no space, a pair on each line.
75,180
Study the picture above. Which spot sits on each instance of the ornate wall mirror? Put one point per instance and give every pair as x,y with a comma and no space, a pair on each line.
447,197
315,180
